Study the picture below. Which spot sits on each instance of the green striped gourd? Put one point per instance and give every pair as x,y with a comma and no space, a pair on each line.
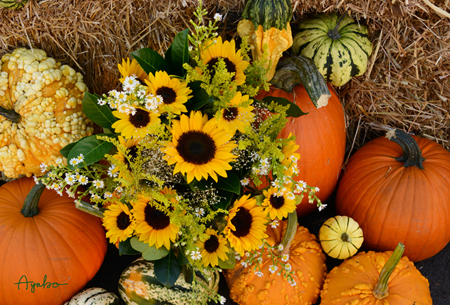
268,13
339,46
13,4
138,285
94,296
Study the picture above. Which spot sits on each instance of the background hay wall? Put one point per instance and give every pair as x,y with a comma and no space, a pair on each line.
407,84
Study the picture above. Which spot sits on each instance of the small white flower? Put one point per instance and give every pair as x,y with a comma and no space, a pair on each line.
244,264
274,224
316,189
195,255
80,158
259,274
83,180
98,184
59,161
43,167
245,181
107,195
199,212
119,189
293,283
290,196
141,93
110,171
217,17
288,267
322,206
73,161
95,197
70,179
273,268
222,300
285,257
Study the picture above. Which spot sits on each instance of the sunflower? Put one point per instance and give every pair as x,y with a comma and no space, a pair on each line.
246,225
133,68
233,60
199,148
291,157
134,124
132,148
278,204
152,225
236,117
173,91
213,248
118,222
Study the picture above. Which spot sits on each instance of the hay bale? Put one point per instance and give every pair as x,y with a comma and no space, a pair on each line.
407,84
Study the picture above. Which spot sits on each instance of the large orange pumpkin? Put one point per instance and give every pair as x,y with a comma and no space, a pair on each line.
308,265
321,135
57,246
396,196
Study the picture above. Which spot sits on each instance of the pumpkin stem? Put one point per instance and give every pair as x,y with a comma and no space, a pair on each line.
334,34
300,69
412,155
346,238
380,290
289,235
10,114
30,206
89,208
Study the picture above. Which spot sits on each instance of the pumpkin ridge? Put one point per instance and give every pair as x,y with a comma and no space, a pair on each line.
357,44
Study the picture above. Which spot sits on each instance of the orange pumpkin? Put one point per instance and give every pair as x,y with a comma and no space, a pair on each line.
321,135
376,278
308,264
56,246
397,197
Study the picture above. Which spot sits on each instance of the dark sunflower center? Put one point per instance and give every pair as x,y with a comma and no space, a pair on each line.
276,202
230,114
212,244
132,153
140,119
243,222
168,95
155,218
231,67
196,147
123,221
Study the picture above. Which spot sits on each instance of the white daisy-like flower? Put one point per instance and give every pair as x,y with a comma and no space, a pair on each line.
101,102
83,180
195,255
95,197
122,96
244,264
280,247
119,189
50,175
259,274
110,171
107,195
43,167
70,194
245,181
285,257
290,196
217,17
59,161
98,184
141,93
316,189
80,158
288,267
322,206
70,179
274,224
273,268
73,161
199,212
55,186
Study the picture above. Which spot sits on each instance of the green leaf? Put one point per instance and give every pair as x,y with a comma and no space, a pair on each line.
229,263
149,253
66,149
231,184
92,149
199,97
225,199
293,111
179,52
188,274
150,60
100,115
125,248
167,270
182,259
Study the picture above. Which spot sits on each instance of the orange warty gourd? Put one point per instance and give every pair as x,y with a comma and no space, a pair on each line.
308,264
321,135
57,246
378,278
398,189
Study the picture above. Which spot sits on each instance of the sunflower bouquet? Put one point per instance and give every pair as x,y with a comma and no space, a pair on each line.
190,164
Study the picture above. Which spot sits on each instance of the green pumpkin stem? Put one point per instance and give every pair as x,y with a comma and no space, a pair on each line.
291,230
334,33
345,237
89,208
300,69
380,290
412,155
30,206
10,114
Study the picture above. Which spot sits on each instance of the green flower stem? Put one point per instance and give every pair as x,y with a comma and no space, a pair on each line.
89,208
30,206
289,235
10,114
381,288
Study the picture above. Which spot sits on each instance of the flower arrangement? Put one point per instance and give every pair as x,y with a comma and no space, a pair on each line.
189,163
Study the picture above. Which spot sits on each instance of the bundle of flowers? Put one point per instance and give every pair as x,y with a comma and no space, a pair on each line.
189,164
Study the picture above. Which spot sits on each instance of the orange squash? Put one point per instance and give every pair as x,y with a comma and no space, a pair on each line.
321,135
384,278
308,264
56,246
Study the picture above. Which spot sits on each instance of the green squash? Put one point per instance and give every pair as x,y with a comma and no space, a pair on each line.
339,46
13,4
94,296
138,285
268,13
